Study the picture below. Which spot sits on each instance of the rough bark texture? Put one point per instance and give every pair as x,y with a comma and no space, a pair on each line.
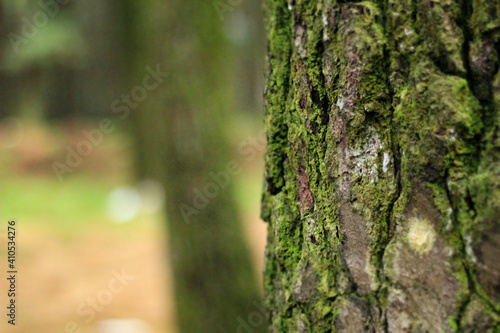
383,166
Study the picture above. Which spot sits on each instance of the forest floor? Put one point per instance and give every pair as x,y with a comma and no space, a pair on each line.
70,249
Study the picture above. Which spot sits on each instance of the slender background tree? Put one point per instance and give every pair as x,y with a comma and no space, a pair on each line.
181,141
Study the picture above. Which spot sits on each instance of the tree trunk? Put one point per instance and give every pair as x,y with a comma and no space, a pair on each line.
383,166
182,141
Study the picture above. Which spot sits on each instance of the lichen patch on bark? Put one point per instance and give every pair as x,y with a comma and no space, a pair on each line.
421,235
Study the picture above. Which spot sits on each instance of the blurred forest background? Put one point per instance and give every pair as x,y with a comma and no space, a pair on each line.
131,140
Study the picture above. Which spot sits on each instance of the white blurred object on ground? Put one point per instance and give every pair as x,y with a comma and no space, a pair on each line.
152,195
122,326
124,204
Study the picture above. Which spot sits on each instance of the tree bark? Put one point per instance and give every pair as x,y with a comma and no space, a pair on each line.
383,166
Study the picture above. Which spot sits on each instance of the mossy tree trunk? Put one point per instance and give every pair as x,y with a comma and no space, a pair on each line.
383,166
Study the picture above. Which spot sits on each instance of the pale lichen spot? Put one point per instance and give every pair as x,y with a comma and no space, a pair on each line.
449,221
453,136
364,155
385,163
325,35
421,235
468,248
340,102
325,25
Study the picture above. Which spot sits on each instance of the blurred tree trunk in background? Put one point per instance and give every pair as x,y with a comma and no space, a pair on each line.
142,32
60,92
98,79
46,81
383,166
181,140
10,84
243,26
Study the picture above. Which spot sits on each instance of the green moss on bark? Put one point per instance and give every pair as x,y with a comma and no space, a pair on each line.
380,114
